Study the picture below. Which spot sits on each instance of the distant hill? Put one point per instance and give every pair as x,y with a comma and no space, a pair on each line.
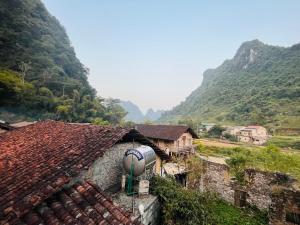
153,115
40,75
261,84
134,113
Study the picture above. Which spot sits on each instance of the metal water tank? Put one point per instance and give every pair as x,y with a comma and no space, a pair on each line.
140,158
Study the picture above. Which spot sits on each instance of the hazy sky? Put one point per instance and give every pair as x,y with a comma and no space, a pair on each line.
154,52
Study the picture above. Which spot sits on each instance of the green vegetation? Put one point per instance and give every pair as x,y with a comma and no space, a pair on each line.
181,206
215,132
260,85
231,137
285,141
268,158
40,76
34,43
40,103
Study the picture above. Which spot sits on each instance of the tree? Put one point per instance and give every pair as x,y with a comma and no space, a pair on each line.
100,121
114,112
24,67
216,131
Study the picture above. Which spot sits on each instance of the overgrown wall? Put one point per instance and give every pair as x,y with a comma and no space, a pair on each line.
273,192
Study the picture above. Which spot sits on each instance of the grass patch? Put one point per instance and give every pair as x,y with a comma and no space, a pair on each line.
269,158
189,207
285,141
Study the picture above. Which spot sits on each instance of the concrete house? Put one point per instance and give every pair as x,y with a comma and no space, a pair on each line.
60,173
207,126
233,130
253,134
173,139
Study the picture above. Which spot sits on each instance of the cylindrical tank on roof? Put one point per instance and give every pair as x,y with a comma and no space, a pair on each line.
139,158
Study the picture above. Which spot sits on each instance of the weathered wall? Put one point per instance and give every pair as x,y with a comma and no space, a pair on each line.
152,213
285,205
188,140
164,145
268,191
107,171
215,177
259,187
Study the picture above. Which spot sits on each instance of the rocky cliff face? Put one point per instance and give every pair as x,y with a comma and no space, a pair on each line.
260,84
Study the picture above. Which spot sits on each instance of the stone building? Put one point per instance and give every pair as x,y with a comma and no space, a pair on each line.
174,139
253,134
59,173
234,131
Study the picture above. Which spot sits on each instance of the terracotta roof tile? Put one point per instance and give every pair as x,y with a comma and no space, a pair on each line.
82,203
165,132
36,161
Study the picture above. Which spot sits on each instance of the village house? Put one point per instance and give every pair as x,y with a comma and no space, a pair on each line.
176,140
253,134
234,131
205,127
60,173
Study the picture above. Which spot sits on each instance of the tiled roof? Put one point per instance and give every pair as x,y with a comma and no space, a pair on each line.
165,132
37,160
254,127
80,204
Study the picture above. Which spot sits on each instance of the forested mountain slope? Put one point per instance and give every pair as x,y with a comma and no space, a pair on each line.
40,75
29,34
261,84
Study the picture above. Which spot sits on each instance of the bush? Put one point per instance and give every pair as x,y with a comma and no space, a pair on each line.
230,137
189,207
216,131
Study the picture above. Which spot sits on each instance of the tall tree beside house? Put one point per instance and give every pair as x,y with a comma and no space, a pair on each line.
40,75
260,85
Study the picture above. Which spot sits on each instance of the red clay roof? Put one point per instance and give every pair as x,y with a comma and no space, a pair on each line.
254,126
80,204
165,132
36,161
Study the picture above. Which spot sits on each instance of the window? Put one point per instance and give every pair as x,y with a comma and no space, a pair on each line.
184,139
292,218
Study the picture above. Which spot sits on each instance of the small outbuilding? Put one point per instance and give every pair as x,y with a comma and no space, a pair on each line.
173,139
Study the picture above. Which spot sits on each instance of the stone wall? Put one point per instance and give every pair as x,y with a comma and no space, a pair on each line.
215,177
285,207
260,186
273,192
152,213
107,171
